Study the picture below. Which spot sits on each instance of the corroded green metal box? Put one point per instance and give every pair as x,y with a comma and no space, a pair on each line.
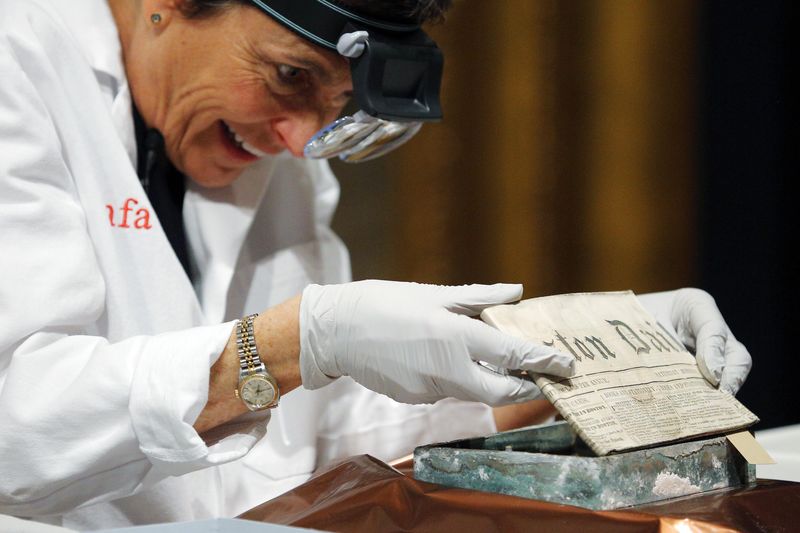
551,463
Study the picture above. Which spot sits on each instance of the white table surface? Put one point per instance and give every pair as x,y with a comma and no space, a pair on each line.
783,444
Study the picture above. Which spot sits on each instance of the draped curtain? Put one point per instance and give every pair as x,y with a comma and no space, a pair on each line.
567,159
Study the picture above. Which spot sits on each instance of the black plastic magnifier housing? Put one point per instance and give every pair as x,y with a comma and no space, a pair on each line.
398,77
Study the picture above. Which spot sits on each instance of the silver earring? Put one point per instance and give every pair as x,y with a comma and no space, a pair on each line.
155,18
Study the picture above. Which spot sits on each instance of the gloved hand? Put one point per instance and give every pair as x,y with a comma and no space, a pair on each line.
417,343
698,324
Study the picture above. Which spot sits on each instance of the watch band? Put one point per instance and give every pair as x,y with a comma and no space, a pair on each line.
254,378
249,360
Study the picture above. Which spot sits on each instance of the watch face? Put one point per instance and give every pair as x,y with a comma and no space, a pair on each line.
257,392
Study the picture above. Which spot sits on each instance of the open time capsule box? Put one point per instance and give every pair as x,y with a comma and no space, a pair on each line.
641,422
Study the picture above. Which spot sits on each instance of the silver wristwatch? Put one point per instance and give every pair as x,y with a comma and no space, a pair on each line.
257,388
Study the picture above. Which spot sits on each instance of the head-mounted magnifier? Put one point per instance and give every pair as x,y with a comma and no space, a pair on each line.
396,71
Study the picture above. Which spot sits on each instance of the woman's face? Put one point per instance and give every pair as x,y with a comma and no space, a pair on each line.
227,90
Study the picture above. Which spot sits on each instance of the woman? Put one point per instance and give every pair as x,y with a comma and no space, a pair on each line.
119,295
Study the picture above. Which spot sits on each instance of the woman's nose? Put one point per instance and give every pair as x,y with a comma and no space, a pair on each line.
296,129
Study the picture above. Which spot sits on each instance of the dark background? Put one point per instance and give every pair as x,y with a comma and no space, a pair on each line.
744,207
603,145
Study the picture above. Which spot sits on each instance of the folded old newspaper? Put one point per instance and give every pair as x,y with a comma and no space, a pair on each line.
635,385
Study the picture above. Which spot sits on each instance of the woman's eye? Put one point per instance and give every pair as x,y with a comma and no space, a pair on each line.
286,80
290,75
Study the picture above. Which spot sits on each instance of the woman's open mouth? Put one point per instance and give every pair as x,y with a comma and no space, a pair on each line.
237,146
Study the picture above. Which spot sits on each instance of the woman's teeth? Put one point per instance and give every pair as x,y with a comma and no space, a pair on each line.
241,143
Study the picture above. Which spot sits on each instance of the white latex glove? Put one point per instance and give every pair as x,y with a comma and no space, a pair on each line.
417,343
698,324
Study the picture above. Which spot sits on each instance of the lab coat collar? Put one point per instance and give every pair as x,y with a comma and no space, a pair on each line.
92,25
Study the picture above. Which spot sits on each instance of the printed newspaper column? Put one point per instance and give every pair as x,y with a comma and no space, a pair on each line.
634,386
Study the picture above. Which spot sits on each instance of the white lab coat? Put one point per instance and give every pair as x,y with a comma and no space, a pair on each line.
105,345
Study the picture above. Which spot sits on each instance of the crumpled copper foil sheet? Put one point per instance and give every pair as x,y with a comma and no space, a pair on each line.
364,494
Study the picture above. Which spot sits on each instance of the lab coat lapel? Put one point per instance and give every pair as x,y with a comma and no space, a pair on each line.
121,117
151,254
142,275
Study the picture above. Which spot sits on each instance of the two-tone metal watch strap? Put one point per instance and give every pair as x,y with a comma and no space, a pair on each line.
249,360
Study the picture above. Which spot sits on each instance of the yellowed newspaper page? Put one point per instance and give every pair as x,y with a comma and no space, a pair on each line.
635,385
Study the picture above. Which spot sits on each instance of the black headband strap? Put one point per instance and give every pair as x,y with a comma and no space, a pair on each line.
322,21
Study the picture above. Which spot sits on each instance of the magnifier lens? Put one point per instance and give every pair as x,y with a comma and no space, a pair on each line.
338,136
386,138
